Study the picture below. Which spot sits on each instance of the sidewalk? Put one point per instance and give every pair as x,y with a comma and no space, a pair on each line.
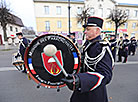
2,47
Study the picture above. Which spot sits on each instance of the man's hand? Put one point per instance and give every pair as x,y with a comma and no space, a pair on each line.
72,81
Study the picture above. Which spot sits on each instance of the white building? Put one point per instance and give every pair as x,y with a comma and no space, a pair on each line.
12,29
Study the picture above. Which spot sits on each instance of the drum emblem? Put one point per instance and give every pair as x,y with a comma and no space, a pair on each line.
50,65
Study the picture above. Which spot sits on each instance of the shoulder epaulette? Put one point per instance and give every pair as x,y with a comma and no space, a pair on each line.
104,42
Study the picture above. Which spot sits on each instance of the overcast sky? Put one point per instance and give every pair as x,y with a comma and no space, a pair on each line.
25,10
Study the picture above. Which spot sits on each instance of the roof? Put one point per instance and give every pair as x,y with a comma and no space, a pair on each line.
80,1
18,21
127,4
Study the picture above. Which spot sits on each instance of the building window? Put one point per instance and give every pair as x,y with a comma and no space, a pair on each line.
125,25
101,12
59,24
100,0
79,10
108,24
11,29
136,13
16,29
58,8
46,8
79,25
133,25
108,12
132,34
92,11
127,12
47,26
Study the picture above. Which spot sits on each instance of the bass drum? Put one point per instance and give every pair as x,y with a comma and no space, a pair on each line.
43,69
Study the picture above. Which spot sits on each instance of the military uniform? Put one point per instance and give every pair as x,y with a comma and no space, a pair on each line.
97,72
23,43
96,68
123,50
132,47
120,50
113,43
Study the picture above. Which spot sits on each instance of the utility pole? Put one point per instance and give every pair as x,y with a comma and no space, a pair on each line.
69,15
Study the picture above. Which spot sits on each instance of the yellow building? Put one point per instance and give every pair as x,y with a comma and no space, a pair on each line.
131,25
102,8
52,15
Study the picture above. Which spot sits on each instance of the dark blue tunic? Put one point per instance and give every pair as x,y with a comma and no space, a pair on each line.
113,47
125,47
93,82
133,45
23,44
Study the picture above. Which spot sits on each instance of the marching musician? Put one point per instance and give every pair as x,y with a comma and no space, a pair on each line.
120,50
23,43
72,37
113,45
90,84
125,49
133,45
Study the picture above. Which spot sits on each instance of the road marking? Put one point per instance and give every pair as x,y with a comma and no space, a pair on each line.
129,62
7,69
116,63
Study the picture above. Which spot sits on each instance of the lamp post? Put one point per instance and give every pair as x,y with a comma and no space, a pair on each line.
69,14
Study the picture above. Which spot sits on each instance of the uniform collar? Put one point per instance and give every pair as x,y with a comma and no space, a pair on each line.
97,38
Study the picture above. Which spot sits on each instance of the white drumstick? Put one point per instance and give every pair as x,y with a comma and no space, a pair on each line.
50,50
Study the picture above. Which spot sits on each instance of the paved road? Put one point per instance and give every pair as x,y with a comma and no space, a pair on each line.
15,87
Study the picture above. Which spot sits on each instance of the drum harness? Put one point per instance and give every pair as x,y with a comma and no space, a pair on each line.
94,61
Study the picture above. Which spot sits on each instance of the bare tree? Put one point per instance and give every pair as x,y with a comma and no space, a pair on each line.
119,17
83,16
28,31
5,18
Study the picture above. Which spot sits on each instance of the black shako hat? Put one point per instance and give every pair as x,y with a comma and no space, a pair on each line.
126,35
112,35
72,34
20,33
94,21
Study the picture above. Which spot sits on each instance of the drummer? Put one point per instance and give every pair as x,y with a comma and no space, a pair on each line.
90,85
23,43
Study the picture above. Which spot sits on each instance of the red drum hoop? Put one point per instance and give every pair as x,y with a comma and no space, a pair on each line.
43,69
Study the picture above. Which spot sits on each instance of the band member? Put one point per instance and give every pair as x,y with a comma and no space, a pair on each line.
123,50
120,50
133,45
113,45
23,43
72,37
90,85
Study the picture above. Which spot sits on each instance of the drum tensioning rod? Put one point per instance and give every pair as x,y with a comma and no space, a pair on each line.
50,50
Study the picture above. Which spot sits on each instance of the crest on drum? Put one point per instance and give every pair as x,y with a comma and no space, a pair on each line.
43,69
50,63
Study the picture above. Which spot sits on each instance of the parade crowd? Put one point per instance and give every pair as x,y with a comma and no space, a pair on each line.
123,47
97,61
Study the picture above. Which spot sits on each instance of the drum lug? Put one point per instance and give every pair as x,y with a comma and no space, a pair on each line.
58,88
39,85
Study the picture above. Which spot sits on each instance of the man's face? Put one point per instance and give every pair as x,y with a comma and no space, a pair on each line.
71,36
91,32
19,36
112,38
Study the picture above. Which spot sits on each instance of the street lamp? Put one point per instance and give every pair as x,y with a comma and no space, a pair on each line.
69,14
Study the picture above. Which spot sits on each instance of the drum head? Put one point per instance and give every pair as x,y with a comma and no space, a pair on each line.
43,69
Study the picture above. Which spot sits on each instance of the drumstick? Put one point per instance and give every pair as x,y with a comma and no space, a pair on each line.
50,50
